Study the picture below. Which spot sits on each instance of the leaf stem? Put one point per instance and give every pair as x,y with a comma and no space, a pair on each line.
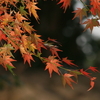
64,68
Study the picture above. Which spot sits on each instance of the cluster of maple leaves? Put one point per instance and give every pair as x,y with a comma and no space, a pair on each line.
17,33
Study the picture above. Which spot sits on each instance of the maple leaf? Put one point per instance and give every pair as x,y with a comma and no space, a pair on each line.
37,41
67,79
2,36
17,29
22,11
31,6
91,23
27,27
94,69
65,4
22,49
27,43
27,57
95,4
12,2
6,60
95,11
52,65
6,18
16,47
54,40
6,50
92,83
85,73
54,51
32,47
2,9
69,62
24,41
10,69
80,12
19,17
13,39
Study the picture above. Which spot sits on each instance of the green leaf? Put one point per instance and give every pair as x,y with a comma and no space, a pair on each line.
22,11
10,69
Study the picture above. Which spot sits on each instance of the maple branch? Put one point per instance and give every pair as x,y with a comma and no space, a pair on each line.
84,4
65,69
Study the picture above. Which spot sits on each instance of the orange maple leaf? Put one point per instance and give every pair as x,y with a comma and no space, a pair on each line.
6,18
54,51
27,57
92,83
6,50
24,41
2,9
31,6
37,41
27,27
6,60
67,79
17,29
12,2
52,65
13,43
65,4
22,49
19,17
69,62
80,12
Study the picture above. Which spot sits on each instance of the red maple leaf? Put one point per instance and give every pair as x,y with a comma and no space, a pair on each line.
67,79
95,11
65,4
92,83
85,73
94,69
69,62
52,65
95,4
54,40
